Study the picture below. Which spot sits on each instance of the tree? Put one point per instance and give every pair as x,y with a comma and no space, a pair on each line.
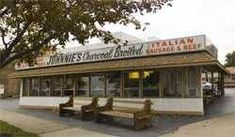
230,59
27,26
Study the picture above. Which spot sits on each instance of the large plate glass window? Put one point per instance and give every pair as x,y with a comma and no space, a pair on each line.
68,85
35,87
82,84
131,83
56,85
46,86
113,84
150,83
97,85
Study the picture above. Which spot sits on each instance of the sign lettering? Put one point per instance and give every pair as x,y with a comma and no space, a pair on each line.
185,44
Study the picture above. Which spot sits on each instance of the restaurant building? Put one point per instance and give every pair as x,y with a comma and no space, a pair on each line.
166,71
229,80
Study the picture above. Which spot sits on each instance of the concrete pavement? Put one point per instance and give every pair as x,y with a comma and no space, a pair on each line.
46,128
219,116
75,132
223,126
29,123
214,127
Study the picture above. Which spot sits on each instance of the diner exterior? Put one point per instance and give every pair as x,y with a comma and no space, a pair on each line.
229,80
169,72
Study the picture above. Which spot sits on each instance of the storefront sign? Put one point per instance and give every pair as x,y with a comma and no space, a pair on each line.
96,55
185,44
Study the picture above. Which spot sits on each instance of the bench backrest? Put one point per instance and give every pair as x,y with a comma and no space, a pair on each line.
128,104
144,105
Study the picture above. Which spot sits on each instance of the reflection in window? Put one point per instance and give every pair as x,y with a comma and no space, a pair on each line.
131,84
150,83
113,83
56,85
97,85
82,84
35,87
68,85
46,83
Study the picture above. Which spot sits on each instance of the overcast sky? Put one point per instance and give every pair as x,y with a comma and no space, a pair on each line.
215,18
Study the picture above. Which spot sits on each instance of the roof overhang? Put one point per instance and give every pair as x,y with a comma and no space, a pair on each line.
216,66
201,58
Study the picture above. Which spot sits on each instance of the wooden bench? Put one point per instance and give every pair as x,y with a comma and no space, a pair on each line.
86,107
138,111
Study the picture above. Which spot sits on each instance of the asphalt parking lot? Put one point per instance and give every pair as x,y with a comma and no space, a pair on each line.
161,124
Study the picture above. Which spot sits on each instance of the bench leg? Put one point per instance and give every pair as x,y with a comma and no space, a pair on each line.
142,123
62,112
98,118
106,118
87,115
109,119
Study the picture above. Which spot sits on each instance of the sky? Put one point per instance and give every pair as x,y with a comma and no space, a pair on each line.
215,18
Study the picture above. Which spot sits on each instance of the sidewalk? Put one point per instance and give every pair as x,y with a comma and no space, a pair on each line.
45,128
223,126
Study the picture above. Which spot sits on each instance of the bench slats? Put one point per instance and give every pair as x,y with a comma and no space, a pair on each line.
126,109
73,108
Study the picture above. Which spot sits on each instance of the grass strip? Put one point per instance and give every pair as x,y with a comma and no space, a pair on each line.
7,130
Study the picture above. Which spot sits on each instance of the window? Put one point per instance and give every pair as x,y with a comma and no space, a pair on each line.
82,84
68,85
173,89
181,82
173,82
97,85
46,85
131,84
56,85
35,87
233,77
193,82
26,86
113,84
150,83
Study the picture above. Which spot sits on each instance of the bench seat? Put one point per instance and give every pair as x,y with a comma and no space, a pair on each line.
118,114
73,108
125,109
